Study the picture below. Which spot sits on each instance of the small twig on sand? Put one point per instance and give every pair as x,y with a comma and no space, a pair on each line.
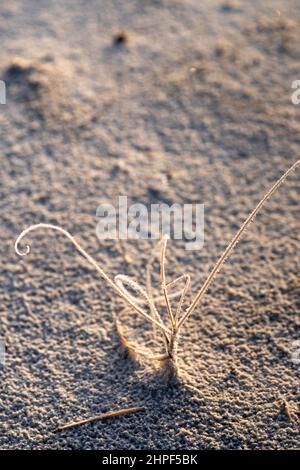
110,414
287,409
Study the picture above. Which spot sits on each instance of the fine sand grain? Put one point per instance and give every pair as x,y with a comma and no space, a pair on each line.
169,101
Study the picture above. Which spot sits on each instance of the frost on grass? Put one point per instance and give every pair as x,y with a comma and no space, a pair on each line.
149,304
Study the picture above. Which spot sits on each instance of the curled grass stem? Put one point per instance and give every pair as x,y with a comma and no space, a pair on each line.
145,297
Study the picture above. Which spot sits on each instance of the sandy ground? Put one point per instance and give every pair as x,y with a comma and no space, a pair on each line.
194,107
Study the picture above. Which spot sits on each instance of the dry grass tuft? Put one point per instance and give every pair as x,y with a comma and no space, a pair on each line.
143,301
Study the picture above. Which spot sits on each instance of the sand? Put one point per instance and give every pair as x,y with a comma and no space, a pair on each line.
191,105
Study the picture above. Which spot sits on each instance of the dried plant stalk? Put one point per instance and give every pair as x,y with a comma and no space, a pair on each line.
110,414
144,303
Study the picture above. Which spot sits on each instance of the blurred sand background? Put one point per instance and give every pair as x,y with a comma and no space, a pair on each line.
194,106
